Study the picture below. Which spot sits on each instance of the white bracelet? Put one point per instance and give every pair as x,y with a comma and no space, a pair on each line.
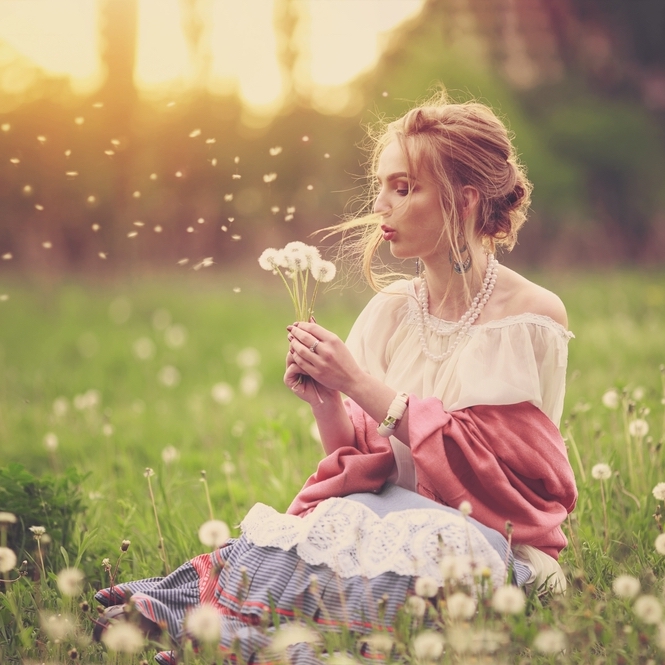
395,414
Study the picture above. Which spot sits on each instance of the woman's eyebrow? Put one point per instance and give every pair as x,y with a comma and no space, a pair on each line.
395,176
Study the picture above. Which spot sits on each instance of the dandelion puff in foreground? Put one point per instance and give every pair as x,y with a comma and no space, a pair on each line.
428,646
58,626
415,606
601,471
203,623
509,600
379,642
626,586
70,581
461,606
7,518
291,634
426,587
7,560
648,609
214,533
638,428
550,640
123,637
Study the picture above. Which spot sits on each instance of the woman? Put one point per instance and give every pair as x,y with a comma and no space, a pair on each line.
455,385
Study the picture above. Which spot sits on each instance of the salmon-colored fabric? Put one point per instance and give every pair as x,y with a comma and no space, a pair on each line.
508,461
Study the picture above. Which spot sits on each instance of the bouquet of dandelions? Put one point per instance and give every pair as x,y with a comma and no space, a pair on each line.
295,263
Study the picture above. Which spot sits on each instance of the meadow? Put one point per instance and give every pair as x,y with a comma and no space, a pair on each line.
100,381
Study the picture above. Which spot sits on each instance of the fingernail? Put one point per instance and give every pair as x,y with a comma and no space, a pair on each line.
290,338
313,319
289,328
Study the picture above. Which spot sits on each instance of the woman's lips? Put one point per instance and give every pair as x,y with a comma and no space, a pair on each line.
388,233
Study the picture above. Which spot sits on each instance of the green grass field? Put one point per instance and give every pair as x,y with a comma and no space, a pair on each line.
185,375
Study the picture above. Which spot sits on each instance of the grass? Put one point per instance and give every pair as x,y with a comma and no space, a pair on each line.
60,341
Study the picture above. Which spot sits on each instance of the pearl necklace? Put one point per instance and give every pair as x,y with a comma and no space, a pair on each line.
468,318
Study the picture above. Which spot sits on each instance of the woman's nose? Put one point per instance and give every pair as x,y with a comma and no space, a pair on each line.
381,206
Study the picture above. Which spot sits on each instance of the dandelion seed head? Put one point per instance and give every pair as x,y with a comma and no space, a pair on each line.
124,637
379,642
38,531
8,558
416,606
175,336
460,606
58,626
7,518
455,567
428,646
638,428
509,600
659,491
426,587
50,441
465,508
550,640
170,454
222,393
648,609
323,271
601,471
291,634
660,544
214,533
204,623
169,376
70,581
611,399
148,473
638,393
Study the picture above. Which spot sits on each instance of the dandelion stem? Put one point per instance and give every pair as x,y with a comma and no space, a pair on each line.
204,480
629,448
576,452
163,555
606,526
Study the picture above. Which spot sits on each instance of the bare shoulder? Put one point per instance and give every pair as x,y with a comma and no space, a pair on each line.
517,295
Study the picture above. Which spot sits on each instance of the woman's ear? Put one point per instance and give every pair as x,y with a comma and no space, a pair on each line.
471,198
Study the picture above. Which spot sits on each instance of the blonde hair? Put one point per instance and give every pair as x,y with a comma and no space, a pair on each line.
458,145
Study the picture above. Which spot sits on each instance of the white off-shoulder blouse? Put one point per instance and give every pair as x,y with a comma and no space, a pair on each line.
515,359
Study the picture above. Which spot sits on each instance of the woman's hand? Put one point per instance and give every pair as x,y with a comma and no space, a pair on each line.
304,386
321,355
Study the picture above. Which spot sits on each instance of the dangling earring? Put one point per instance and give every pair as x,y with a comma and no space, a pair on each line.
418,267
465,264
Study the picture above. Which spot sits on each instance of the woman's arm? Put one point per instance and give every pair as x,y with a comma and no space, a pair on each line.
331,365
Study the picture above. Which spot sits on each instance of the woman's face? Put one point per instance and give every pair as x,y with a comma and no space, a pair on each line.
412,221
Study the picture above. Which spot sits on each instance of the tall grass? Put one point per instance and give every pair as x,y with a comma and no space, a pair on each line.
184,376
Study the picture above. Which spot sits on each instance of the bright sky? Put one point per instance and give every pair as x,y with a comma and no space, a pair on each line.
341,37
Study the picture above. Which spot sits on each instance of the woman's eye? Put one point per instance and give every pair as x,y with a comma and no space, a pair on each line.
402,191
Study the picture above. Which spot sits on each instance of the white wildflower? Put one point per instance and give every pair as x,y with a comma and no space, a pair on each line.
626,586
203,623
7,518
323,271
7,560
123,637
638,428
290,634
660,544
426,587
550,640
416,606
248,357
648,609
70,582
428,646
509,600
222,393
170,454
601,471
50,441
455,567
144,348
214,533
460,606
611,399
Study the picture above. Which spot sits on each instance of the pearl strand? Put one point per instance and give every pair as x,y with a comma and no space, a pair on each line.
468,318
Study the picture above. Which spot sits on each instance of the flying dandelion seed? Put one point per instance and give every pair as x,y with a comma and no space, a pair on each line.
183,262
236,160
115,142
132,234
153,176
27,190
460,606
79,120
136,194
15,160
71,174
290,210
41,139
288,218
200,220
175,336
275,151
178,174
7,256
210,141
4,297
39,207
98,105
228,197
102,255
50,441
214,533
70,582
190,229
305,139
91,199
5,126
139,223
47,245
204,623
157,229
110,153
326,155
236,289
213,161
236,237
193,134
224,228
60,407
428,646
248,357
310,187
95,227
68,153
250,383
269,177
274,210
170,105
204,263
8,559
230,219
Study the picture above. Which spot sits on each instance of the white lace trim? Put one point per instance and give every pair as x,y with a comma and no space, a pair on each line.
444,325
352,540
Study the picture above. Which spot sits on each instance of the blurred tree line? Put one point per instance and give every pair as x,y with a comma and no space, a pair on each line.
116,180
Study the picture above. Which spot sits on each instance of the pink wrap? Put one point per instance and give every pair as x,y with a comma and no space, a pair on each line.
509,461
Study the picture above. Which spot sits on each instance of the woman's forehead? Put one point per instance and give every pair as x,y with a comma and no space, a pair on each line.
392,160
